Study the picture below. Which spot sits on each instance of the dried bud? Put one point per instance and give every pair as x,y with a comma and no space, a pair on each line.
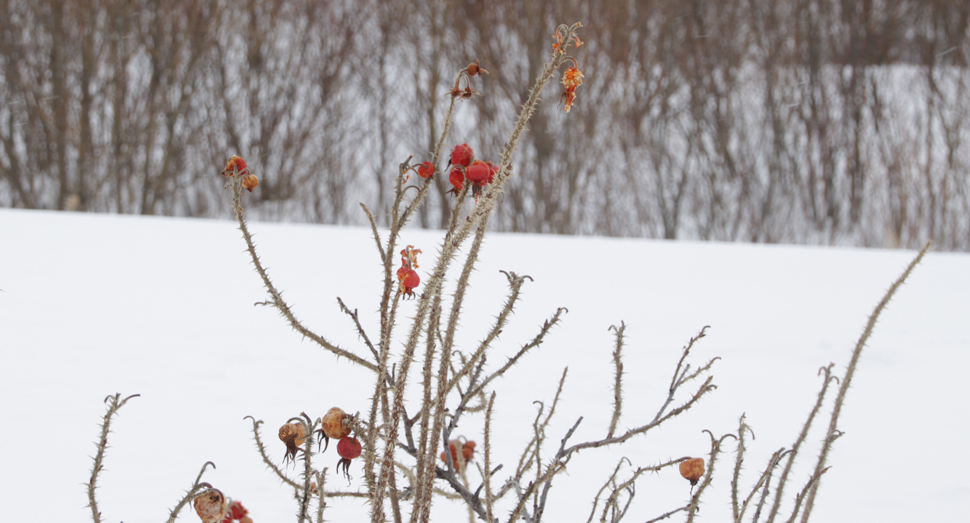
250,182
210,506
692,469
246,519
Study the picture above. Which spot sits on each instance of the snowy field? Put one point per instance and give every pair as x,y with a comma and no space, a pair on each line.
94,304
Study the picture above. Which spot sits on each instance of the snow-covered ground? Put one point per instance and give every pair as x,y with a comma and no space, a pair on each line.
94,304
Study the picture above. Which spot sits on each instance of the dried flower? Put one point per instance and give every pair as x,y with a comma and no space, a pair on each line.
558,46
235,166
571,79
348,449
250,182
210,505
293,435
692,469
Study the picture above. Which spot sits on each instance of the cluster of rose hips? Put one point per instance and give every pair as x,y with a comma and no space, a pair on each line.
237,167
406,275
467,453
213,507
463,167
335,424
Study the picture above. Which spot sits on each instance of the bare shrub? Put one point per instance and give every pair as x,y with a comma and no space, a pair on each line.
410,452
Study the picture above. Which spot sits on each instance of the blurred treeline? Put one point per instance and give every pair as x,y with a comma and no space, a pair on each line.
807,121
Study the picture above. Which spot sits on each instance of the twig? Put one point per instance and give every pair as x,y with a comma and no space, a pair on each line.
114,405
269,463
196,487
275,295
833,431
360,328
783,481
618,384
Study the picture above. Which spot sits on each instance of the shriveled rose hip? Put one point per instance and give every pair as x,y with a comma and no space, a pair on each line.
293,435
692,469
250,182
210,505
335,424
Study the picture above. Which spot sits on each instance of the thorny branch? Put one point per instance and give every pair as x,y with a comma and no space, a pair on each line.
197,486
114,405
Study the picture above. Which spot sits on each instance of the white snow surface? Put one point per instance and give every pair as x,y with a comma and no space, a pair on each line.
92,305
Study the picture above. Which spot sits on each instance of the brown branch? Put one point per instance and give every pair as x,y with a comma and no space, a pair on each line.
276,297
114,405
833,431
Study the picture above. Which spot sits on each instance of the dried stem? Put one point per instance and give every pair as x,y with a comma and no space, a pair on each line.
276,298
487,448
114,405
780,489
269,463
694,505
618,384
833,432
190,494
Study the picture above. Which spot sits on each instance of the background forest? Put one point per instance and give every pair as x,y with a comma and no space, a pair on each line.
805,121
